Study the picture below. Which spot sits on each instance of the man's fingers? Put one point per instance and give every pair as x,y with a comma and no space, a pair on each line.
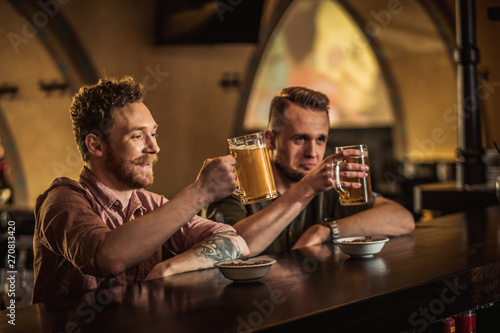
353,174
350,185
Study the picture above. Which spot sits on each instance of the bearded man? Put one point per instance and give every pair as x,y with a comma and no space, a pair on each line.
106,229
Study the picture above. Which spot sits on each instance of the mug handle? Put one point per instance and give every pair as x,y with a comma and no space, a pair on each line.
338,185
238,191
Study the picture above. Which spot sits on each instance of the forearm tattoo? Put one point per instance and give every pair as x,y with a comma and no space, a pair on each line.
219,247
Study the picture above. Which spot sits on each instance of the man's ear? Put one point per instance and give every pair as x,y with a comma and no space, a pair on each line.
270,139
94,145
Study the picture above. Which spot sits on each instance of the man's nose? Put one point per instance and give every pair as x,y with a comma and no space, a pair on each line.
310,149
152,145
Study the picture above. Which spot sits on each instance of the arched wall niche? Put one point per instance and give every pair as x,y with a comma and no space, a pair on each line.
41,42
409,45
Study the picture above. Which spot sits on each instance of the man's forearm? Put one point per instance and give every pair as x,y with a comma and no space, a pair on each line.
385,218
222,246
260,229
122,248
218,247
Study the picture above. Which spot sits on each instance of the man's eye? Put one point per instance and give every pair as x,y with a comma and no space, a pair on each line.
138,136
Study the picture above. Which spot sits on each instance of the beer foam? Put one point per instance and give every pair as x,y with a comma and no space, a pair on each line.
248,147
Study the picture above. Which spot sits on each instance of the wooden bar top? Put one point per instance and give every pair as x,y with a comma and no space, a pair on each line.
446,266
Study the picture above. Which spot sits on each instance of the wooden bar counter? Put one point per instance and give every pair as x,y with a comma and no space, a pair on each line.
446,266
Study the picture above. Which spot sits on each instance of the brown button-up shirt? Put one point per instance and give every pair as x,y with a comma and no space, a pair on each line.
73,219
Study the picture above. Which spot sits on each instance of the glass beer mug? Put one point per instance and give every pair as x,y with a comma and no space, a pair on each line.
353,196
253,168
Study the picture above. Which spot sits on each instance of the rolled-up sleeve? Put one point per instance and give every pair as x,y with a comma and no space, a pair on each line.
69,227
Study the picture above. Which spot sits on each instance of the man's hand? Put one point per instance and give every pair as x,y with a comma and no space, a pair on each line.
315,234
217,179
322,178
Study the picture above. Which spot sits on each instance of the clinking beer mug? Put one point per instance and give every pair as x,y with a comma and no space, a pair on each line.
353,196
253,168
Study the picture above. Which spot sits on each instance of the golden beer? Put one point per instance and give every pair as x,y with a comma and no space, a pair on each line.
356,196
253,169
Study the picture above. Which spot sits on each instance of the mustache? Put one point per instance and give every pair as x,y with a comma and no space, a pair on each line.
146,160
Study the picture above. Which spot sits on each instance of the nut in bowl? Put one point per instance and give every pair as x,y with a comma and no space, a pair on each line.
245,270
361,246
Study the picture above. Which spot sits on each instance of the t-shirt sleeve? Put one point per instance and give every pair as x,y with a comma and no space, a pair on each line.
228,210
340,211
67,226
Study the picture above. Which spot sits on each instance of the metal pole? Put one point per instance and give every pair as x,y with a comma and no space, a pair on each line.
470,166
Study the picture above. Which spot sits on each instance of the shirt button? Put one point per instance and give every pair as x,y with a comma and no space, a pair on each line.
116,203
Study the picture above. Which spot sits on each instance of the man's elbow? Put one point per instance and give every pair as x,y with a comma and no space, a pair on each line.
109,266
408,223
233,244
401,219
242,245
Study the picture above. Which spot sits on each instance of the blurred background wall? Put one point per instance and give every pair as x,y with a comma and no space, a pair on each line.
199,93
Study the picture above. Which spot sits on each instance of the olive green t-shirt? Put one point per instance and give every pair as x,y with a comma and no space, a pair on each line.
230,210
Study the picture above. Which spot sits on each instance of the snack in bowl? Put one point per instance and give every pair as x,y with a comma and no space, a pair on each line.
361,246
245,270
242,263
360,240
